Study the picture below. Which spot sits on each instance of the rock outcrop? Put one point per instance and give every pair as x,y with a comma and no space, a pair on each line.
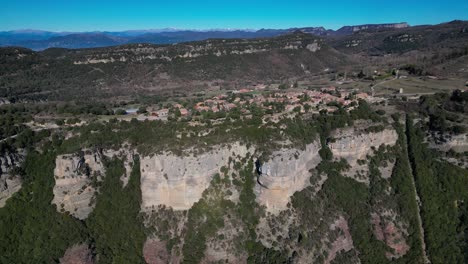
392,234
353,146
73,190
155,252
346,30
287,172
179,181
343,243
75,173
78,254
458,143
9,182
145,52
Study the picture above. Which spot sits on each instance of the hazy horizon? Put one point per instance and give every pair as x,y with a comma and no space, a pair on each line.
92,16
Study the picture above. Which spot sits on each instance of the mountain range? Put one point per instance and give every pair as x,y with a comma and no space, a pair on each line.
59,73
40,40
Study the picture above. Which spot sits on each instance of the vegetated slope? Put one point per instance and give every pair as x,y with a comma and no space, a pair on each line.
40,40
114,226
347,30
60,73
340,220
383,41
31,230
442,188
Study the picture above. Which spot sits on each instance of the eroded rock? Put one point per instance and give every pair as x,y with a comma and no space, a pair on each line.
179,181
10,182
155,252
78,254
386,230
73,190
287,172
354,146
344,242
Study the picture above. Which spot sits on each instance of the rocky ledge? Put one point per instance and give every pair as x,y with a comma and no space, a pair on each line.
10,182
73,190
179,181
287,172
353,146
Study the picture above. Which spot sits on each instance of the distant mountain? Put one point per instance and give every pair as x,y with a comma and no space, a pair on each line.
40,40
398,38
74,41
347,30
16,36
58,73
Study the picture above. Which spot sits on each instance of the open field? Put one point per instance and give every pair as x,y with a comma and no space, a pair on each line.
415,85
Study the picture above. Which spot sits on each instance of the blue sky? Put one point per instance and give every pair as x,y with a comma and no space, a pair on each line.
91,15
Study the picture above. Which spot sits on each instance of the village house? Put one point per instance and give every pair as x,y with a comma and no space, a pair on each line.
328,89
259,86
201,107
241,91
363,96
162,112
183,111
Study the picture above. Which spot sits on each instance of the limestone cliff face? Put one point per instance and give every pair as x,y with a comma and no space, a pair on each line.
73,191
287,172
9,183
352,29
458,143
144,52
179,181
355,145
74,174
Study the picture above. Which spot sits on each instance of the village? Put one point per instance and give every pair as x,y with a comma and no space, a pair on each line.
272,102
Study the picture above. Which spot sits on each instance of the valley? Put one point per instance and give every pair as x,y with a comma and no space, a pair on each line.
300,146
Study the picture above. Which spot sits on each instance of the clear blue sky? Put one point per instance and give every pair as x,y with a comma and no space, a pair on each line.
91,15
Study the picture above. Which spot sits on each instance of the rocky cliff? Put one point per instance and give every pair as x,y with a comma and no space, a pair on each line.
73,190
354,145
75,175
458,143
9,181
179,181
287,172
218,48
351,29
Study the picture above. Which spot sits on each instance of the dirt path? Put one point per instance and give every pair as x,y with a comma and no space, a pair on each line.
382,82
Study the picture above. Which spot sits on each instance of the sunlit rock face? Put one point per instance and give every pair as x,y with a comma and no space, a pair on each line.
78,254
353,145
287,172
73,191
179,181
457,143
10,183
74,174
